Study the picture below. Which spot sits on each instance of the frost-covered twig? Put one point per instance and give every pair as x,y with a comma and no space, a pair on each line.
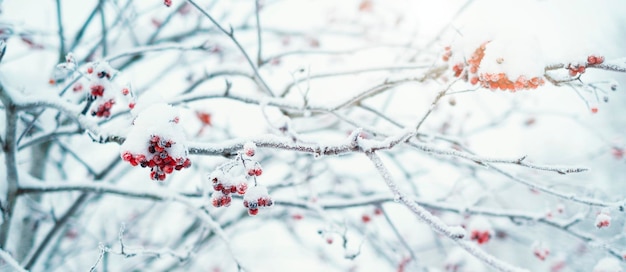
231,34
454,233
11,262
485,160
155,48
352,144
351,72
129,252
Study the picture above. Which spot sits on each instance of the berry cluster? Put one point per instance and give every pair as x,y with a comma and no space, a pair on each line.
480,237
593,59
502,82
576,69
100,77
159,160
224,183
104,109
223,186
257,197
480,230
156,143
469,71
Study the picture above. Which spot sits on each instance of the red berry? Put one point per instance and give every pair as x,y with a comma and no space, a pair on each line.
592,59
581,69
187,163
599,59
253,211
216,202
168,169
366,218
131,105
127,156
378,211
204,117
594,109
480,237
573,72
89,70
241,188
245,203
97,90
125,91
167,3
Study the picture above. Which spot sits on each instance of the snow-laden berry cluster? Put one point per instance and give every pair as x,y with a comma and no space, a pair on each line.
224,185
156,141
233,176
257,198
103,93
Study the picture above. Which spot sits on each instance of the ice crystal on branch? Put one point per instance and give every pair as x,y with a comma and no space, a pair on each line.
156,141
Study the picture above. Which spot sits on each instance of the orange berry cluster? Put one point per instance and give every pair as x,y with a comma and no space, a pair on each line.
476,58
502,82
469,72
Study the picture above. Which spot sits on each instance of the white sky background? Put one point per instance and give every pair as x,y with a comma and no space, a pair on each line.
529,34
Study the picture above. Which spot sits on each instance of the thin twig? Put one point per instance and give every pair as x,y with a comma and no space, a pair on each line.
231,34
257,10
61,35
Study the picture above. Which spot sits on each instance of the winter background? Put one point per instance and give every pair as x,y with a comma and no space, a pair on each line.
335,71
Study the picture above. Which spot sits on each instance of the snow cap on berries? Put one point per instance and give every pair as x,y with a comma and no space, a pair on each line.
603,219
